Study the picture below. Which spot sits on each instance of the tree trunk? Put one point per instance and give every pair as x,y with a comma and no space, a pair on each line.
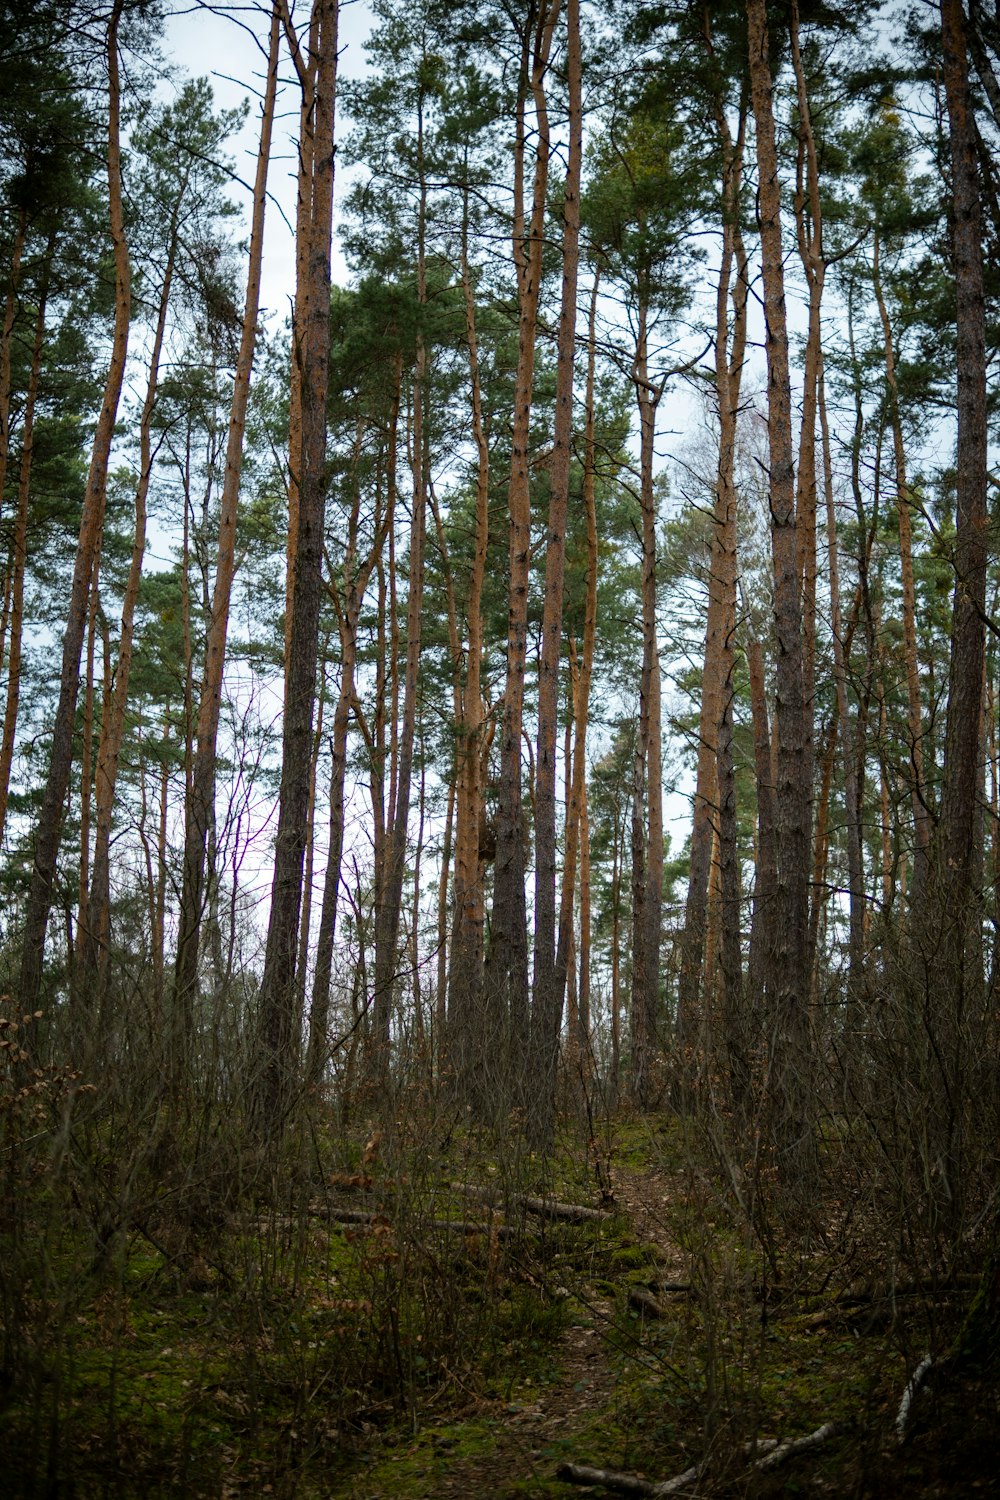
647,879
464,1041
958,802
9,319
549,975
507,988
348,607
717,683
387,916
576,811
278,1044
809,234
922,822
49,825
200,801
95,937
19,555
792,1102
855,867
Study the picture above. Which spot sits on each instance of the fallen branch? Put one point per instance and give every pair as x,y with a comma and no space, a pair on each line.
365,1217
794,1446
628,1484
910,1392
543,1208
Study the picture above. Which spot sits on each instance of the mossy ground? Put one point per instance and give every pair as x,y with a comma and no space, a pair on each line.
272,1350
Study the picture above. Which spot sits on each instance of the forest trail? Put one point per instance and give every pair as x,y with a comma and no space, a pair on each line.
500,1449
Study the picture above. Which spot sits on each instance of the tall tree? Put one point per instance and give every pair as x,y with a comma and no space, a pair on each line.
507,964
200,802
549,972
279,1009
791,1069
47,832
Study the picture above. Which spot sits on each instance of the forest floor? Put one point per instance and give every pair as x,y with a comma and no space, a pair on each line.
373,1332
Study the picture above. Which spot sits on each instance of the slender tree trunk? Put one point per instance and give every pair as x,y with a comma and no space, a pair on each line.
19,555
576,810
762,917
387,917
647,879
507,986
278,1045
809,233
9,319
855,867
953,934
922,822
464,1042
717,684
95,945
200,800
302,958
87,765
348,605
958,802
793,1105
305,67
549,976
49,824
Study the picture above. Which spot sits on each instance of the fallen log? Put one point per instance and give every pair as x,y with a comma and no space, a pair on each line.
366,1217
644,1303
543,1208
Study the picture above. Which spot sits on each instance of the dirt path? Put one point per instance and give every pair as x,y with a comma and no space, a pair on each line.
506,1450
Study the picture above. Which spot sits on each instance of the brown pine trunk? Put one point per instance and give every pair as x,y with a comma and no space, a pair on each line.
305,67
277,1042
792,1102
507,1012
302,959
922,823
388,912
855,866
762,918
809,234
19,554
347,602
953,956
549,977
576,809
464,1041
87,768
958,803
647,878
49,825
9,319
200,800
717,683
96,929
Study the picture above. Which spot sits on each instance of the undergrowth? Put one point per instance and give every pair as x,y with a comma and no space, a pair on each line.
185,1313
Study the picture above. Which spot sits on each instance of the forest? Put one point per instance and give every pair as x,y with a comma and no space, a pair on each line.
500,751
